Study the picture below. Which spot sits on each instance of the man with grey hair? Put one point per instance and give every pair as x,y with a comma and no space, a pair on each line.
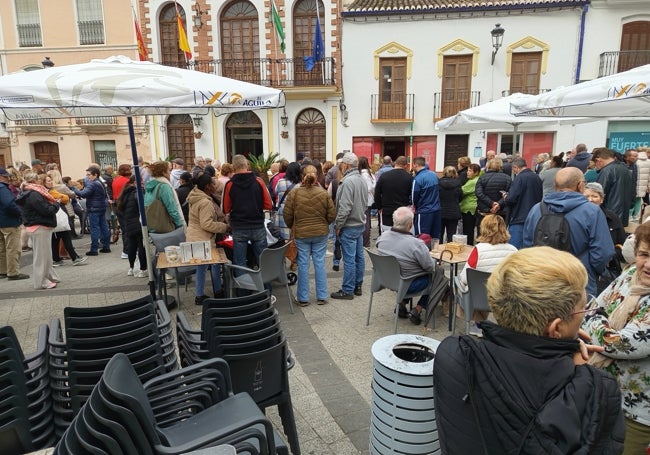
387,165
524,193
199,165
543,162
351,202
413,258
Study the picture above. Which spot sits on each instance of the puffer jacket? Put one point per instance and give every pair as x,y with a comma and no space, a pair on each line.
311,209
643,176
515,393
128,207
450,195
203,224
37,210
488,189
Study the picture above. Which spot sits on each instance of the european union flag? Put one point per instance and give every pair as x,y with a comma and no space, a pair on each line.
318,49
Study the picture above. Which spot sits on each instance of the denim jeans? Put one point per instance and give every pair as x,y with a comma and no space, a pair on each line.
418,285
516,235
354,263
316,247
99,231
240,239
215,274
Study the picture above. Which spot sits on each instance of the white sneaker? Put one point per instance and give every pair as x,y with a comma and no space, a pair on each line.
142,274
124,256
474,330
129,273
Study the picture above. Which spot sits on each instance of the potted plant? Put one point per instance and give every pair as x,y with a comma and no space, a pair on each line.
261,164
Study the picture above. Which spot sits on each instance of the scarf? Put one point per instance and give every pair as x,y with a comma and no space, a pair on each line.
164,181
621,316
40,189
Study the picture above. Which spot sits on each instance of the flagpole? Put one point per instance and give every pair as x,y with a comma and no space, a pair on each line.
322,62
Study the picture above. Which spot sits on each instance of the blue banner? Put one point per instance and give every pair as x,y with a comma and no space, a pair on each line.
621,142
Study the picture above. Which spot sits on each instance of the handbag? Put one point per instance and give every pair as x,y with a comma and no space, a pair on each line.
158,218
62,222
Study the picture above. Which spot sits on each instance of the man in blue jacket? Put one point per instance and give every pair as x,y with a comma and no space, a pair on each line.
10,221
426,199
96,204
590,238
525,192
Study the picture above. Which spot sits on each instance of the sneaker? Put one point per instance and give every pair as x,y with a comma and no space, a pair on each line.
321,302
105,250
341,295
475,330
124,256
335,267
414,317
358,291
20,276
57,263
129,273
91,253
302,304
50,285
142,274
79,260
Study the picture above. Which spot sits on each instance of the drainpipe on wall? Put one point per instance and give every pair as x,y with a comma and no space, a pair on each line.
581,42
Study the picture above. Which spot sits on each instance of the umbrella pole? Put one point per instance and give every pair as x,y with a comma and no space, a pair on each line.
143,216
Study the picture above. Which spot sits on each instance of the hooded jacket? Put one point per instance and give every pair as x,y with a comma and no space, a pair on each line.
450,195
515,393
245,197
351,200
581,161
590,238
311,209
203,222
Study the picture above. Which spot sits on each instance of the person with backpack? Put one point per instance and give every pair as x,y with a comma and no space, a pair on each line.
566,220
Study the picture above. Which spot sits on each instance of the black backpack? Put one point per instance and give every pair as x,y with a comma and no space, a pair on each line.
552,230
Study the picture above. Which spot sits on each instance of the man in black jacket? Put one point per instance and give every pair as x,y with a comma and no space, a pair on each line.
393,190
526,388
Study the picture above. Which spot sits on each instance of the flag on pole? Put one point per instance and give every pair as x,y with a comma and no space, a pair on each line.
142,49
183,44
318,48
277,24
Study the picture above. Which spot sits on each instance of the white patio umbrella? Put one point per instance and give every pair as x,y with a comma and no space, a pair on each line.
625,94
119,86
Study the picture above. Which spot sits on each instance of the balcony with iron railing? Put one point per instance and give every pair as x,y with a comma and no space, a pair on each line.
618,61
448,103
282,73
394,107
91,121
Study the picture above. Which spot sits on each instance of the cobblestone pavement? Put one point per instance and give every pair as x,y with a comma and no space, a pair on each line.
331,381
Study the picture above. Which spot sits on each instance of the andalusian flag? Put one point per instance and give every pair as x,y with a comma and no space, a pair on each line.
183,44
142,49
277,24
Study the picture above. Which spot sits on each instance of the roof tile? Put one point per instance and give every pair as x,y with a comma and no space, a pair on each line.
383,6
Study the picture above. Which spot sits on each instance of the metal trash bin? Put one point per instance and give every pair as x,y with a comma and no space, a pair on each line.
403,417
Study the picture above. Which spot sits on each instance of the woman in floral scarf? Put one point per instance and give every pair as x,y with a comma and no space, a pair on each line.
39,217
619,321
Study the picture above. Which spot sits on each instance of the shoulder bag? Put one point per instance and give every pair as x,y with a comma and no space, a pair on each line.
158,219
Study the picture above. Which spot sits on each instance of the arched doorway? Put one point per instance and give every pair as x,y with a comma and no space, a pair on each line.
240,42
47,152
180,137
170,53
244,135
310,134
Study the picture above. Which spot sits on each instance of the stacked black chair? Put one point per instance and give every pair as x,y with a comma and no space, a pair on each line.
26,418
245,331
141,329
120,414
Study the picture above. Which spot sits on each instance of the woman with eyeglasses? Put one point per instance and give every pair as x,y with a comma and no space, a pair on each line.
621,324
526,388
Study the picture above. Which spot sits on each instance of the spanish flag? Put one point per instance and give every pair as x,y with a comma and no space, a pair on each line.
183,44
142,49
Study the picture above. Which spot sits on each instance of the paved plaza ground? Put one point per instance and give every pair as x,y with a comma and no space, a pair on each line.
331,381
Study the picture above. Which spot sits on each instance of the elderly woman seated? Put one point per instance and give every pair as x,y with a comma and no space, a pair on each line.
526,387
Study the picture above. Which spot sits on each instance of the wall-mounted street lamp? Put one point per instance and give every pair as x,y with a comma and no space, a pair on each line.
47,63
283,118
197,120
197,18
497,39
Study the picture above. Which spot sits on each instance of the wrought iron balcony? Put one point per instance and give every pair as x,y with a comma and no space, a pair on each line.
281,73
618,61
448,103
36,124
392,107
89,121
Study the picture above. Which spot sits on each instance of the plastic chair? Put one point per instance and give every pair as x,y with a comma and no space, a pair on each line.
475,299
386,275
180,274
272,267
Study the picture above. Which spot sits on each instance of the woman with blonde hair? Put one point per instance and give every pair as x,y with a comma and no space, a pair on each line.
159,187
60,187
493,247
308,211
39,218
450,196
526,387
